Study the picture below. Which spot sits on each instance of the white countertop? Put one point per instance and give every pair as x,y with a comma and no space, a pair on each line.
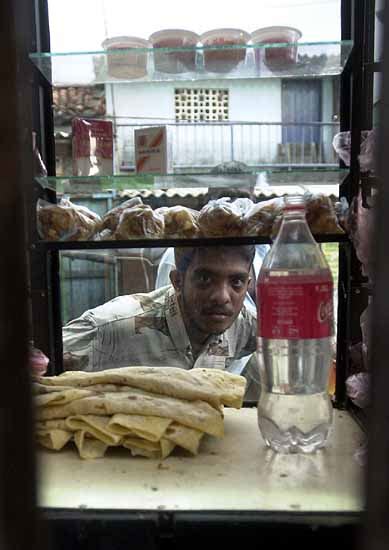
237,473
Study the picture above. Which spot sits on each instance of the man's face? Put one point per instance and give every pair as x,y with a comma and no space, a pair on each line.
212,290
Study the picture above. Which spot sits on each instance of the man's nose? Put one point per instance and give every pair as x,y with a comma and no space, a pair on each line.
220,294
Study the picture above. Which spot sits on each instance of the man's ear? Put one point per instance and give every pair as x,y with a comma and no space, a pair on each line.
176,279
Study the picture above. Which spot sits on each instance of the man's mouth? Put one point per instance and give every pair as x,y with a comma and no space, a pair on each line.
217,315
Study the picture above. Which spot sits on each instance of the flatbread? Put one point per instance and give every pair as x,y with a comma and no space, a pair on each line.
187,438
96,426
213,386
151,428
151,449
53,439
61,397
41,389
230,387
194,414
138,451
166,447
87,447
59,424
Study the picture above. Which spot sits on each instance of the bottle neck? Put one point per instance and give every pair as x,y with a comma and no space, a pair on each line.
294,214
294,227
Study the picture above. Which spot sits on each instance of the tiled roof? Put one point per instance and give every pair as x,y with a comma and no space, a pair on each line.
83,101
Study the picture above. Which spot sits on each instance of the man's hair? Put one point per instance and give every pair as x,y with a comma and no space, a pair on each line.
184,255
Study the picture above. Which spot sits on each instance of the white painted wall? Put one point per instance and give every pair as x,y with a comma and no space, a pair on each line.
250,101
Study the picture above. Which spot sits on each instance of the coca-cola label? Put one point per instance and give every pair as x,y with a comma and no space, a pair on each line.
295,307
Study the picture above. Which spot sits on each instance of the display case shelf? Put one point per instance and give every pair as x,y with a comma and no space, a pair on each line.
166,243
293,177
237,474
97,67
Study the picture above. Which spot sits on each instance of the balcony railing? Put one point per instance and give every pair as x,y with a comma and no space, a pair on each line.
197,145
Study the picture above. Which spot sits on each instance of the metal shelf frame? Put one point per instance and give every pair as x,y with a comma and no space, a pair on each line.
165,243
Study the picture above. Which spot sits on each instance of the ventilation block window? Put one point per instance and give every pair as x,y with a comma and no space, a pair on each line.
200,104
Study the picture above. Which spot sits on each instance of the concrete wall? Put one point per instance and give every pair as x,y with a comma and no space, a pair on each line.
250,101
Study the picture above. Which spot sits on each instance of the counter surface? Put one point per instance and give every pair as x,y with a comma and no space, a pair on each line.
237,473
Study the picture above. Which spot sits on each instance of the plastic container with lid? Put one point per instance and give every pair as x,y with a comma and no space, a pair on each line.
274,57
174,61
125,61
224,59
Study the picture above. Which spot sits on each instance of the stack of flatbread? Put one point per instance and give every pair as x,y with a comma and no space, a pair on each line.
148,410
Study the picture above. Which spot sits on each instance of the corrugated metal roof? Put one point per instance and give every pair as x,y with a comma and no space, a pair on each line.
170,193
266,191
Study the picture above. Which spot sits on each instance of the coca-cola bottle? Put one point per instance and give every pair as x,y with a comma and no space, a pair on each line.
294,344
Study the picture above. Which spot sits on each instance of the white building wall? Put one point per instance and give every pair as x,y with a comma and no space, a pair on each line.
201,145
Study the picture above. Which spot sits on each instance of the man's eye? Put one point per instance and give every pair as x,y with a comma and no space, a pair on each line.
238,284
203,279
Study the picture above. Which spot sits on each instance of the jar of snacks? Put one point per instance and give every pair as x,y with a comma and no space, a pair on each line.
124,61
224,49
276,57
178,60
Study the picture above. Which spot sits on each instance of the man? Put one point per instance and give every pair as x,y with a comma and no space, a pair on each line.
198,321
166,264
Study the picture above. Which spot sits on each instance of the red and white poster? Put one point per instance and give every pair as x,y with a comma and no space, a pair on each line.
151,151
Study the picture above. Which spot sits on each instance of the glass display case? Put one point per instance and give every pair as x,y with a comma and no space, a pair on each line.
79,270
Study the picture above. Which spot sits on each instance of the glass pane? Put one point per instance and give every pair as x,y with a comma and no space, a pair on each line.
137,64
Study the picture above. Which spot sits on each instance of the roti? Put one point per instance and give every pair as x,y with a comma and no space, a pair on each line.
54,439
137,446
147,410
187,438
213,386
96,426
151,428
61,397
194,414
88,447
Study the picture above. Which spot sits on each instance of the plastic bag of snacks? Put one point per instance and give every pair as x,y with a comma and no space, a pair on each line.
180,222
138,222
261,217
221,218
342,145
358,389
321,214
104,235
367,154
112,217
342,209
360,226
66,221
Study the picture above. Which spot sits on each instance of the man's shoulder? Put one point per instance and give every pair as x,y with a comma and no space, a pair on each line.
129,306
244,324
247,314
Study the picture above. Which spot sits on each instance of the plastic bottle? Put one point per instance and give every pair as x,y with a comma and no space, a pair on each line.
294,344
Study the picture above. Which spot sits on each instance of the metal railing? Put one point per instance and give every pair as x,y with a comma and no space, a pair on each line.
198,145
